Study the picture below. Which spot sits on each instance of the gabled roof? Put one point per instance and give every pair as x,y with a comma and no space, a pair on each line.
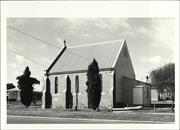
78,58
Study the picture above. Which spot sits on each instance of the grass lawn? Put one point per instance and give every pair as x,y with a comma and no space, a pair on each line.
163,115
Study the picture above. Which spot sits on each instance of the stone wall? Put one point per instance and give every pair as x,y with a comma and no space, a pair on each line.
59,99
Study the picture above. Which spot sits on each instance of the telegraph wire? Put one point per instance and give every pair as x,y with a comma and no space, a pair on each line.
14,52
26,58
36,38
43,41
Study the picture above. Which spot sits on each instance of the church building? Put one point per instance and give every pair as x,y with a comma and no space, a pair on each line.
66,77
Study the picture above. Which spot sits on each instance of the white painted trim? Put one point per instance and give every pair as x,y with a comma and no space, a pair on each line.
115,61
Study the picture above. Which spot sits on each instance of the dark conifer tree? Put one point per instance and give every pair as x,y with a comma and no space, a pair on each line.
93,85
25,83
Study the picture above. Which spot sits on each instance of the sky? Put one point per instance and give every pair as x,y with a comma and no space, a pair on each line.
151,41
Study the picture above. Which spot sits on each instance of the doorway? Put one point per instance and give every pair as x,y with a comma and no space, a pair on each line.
138,95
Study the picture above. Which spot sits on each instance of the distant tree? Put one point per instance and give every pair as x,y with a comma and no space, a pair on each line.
163,78
25,83
93,85
10,86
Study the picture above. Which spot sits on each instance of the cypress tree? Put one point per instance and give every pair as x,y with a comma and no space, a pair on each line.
93,85
25,83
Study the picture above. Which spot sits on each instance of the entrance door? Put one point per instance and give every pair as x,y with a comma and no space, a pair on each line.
138,95
69,97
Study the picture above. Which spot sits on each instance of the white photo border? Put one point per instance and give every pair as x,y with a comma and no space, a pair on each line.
141,9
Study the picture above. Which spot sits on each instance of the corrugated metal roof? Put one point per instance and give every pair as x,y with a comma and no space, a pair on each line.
78,58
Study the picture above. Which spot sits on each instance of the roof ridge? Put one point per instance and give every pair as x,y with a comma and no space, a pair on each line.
93,44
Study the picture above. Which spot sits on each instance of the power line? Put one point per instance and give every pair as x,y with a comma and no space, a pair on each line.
26,58
45,42
36,38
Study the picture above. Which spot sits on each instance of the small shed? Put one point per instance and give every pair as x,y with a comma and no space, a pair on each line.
136,92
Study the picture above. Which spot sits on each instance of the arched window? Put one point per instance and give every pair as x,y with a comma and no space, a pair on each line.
77,84
101,85
69,96
56,84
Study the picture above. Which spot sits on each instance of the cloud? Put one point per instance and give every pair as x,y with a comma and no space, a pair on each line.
14,46
13,65
21,62
15,21
60,40
98,23
11,44
154,59
15,73
45,60
20,59
143,30
106,23
163,35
